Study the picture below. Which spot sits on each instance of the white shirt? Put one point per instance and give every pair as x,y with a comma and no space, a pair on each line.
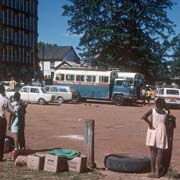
5,105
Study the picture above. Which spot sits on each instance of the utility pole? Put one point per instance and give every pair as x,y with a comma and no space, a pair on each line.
34,63
43,48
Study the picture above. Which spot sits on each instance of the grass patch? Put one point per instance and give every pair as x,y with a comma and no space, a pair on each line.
8,171
172,173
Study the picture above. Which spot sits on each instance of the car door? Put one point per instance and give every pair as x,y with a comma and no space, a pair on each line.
65,93
34,94
24,94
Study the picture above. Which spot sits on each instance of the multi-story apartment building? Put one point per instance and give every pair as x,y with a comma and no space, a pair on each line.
18,39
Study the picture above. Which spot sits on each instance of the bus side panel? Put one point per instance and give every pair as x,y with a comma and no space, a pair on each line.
98,91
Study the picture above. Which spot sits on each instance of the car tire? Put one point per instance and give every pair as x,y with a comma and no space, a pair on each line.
60,100
127,163
41,101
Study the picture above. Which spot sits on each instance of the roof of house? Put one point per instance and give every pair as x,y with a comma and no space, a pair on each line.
67,63
53,51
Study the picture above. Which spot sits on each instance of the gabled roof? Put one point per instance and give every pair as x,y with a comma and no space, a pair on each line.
53,51
67,63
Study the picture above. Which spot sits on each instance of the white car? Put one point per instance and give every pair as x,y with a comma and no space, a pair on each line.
33,94
62,93
171,95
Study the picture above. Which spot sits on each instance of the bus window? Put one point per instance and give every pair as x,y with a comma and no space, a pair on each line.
60,77
79,77
91,78
70,77
130,80
103,79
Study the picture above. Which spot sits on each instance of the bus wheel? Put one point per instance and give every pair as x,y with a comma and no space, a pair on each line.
119,100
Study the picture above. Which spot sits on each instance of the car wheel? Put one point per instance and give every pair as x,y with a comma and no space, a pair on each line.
127,163
60,100
41,101
119,100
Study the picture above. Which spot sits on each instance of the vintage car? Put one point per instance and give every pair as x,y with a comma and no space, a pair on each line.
62,93
33,94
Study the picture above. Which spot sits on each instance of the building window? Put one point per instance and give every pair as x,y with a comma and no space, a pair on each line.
52,64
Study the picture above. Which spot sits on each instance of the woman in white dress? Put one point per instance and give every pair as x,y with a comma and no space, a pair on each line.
156,138
14,120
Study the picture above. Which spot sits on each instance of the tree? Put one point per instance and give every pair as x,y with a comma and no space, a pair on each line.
132,33
175,65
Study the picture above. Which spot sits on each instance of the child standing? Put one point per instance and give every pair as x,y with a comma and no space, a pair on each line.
17,121
157,137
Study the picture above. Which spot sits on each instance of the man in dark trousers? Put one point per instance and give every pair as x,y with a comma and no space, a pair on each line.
4,106
21,123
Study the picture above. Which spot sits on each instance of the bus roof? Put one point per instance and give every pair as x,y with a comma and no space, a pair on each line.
129,74
87,72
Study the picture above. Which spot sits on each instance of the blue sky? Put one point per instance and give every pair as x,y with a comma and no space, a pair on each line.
52,26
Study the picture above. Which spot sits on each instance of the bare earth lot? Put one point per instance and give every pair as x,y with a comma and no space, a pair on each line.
118,129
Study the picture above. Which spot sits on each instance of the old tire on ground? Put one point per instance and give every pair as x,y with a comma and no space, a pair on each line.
127,163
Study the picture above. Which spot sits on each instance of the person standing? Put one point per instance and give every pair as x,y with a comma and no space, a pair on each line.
12,84
143,95
21,124
14,119
157,138
17,121
148,95
4,106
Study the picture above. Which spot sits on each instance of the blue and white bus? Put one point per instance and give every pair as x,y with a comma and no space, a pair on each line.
96,84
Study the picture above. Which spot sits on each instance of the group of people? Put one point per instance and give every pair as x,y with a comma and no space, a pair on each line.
145,95
17,110
156,138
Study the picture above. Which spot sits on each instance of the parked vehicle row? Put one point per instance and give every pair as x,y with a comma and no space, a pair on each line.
45,95
33,94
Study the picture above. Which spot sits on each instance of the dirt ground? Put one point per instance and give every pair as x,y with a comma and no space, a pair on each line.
118,129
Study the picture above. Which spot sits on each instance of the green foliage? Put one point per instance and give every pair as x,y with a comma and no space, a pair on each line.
117,32
175,67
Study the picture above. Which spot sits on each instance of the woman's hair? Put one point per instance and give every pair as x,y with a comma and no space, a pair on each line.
160,103
17,96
